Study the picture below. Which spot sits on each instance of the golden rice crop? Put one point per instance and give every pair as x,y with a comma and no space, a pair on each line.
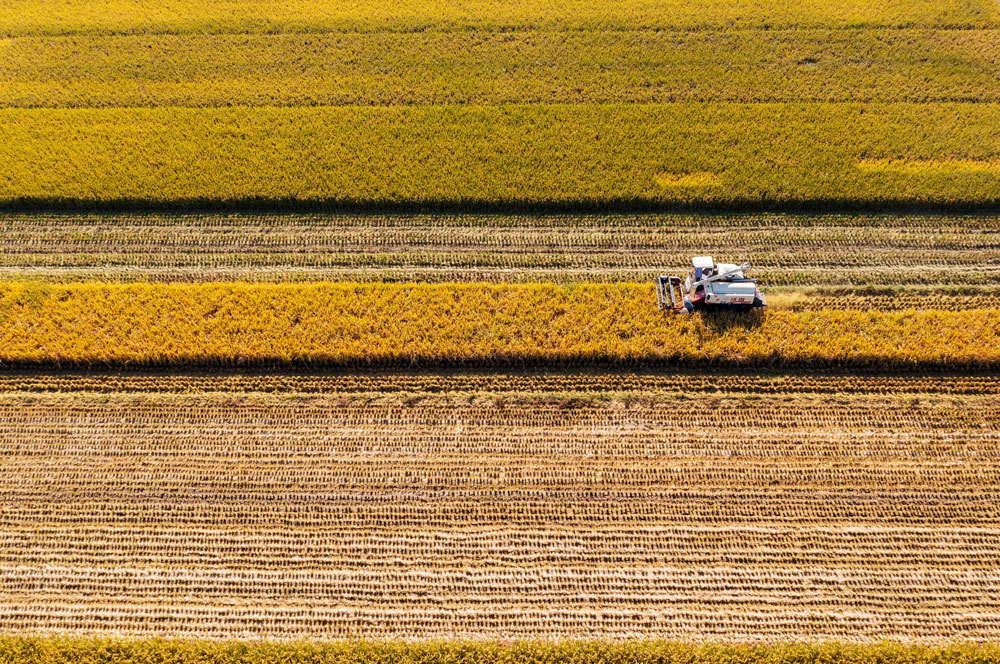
606,155
139,224
187,16
930,166
33,650
526,66
358,324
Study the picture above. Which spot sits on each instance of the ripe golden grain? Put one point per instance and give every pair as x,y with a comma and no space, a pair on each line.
357,324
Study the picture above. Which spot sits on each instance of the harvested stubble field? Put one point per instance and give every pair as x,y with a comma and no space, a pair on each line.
795,252
856,517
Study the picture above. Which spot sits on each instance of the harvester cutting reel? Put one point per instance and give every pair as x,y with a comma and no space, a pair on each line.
709,287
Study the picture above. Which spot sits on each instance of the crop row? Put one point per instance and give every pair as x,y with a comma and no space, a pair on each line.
286,552
509,257
832,267
213,514
534,588
37,237
345,324
508,446
697,621
568,388
633,507
151,224
270,16
536,66
889,282
454,400
612,156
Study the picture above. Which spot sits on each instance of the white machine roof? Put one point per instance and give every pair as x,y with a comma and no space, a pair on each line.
703,262
743,288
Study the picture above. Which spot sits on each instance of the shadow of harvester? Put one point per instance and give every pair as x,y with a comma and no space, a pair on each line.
721,321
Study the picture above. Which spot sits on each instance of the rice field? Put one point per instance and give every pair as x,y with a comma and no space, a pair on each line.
855,516
103,651
473,106
469,157
352,325
328,334
534,66
90,17
931,260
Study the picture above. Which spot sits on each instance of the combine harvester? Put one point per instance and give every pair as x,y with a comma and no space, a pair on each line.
710,287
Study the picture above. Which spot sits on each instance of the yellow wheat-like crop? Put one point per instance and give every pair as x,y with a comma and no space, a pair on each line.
462,67
697,179
357,324
30,650
930,166
185,16
464,155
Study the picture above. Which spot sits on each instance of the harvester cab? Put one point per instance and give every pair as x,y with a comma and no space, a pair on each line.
710,286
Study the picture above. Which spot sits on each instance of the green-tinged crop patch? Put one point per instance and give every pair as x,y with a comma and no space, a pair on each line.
609,156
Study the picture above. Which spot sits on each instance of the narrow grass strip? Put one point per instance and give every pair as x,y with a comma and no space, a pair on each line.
51,650
353,325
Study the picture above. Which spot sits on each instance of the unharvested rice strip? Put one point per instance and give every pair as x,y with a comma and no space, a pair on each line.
475,325
422,385
941,276
785,156
25,649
